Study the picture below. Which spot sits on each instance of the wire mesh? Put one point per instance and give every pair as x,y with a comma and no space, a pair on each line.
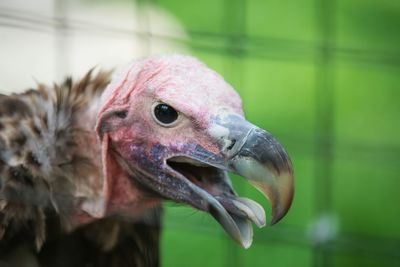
234,43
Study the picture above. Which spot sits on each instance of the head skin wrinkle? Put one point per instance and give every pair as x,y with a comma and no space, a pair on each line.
181,81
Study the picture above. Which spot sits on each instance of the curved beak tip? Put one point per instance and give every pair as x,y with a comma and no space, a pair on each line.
283,196
258,157
277,188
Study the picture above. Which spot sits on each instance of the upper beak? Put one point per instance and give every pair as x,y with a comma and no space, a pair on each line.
263,161
257,156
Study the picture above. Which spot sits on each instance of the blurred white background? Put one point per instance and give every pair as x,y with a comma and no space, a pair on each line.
46,40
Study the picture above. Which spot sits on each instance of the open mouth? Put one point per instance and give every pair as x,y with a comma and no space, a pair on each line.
205,176
216,183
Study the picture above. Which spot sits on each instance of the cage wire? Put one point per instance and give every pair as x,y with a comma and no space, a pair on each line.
235,43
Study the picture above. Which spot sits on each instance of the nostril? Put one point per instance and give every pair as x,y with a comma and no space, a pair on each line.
233,142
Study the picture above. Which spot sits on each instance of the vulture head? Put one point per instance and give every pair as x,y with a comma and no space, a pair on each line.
170,128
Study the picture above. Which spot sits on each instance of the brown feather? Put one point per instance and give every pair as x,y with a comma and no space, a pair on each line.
42,164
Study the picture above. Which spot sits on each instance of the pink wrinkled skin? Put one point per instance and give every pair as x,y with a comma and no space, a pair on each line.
184,83
189,85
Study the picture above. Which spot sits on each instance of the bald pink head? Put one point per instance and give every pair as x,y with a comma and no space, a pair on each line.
171,128
126,122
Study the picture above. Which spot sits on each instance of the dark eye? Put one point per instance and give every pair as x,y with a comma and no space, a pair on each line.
165,114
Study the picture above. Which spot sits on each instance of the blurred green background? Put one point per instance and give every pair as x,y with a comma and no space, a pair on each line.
322,76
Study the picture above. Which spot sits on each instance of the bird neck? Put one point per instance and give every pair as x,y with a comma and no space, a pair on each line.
107,190
88,189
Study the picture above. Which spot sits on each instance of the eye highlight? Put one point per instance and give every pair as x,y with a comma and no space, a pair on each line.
164,114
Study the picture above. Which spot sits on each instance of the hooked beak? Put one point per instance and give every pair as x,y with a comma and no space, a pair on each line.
265,164
255,155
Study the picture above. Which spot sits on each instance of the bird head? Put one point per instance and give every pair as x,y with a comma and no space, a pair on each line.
174,128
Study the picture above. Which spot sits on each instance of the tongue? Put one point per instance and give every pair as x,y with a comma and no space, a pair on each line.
244,207
242,211
252,209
